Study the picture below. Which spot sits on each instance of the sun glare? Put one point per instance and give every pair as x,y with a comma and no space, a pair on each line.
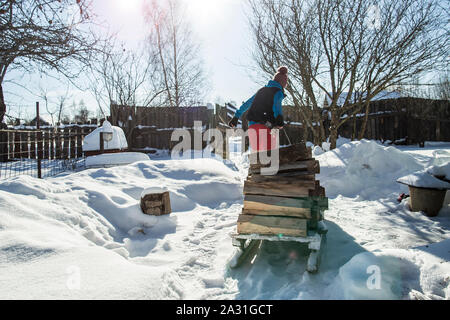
205,9
128,5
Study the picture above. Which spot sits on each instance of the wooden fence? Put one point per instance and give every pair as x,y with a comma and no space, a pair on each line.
409,119
61,143
151,128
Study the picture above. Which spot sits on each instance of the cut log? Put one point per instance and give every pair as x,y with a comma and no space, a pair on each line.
278,206
282,188
311,166
156,204
289,176
317,192
265,225
293,153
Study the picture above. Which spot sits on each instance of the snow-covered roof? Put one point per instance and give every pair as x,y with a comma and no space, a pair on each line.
92,141
383,95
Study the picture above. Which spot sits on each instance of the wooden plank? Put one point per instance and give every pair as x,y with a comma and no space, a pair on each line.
287,176
312,166
272,205
32,145
72,139
17,144
264,225
40,144
46,138
282,188
65,147
293,153
10,145
258,209
24,146
58,147
52,145
79,142
296,202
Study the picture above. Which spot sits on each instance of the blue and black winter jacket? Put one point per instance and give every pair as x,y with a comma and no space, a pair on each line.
276,107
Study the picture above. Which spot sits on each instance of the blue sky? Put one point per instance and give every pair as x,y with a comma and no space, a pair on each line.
219,25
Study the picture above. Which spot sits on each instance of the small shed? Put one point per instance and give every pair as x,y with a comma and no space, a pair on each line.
105,139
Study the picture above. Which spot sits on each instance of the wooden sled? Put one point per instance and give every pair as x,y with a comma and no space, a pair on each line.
288,205
248,245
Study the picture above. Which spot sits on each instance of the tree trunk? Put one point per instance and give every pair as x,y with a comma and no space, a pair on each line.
364,124
2,104
354,128
334,130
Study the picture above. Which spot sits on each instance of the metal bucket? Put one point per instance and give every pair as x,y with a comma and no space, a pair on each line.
429,201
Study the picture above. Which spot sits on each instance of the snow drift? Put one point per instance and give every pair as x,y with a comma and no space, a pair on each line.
82,235
91,222
364,168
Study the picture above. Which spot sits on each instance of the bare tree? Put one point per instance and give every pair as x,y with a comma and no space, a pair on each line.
54,106
44,34
82,113
347,51
125,77
442,89
178,55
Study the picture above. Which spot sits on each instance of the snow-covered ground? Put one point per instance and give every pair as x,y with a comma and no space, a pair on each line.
82,235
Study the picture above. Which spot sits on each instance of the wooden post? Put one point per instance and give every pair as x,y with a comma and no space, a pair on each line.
58,135
79,137
39,144
17,145
65,149
52,144
46,144
24,146
72,143
32,145
10,145
102,143
438,130
3,143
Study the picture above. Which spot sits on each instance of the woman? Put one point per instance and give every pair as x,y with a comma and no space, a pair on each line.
266,112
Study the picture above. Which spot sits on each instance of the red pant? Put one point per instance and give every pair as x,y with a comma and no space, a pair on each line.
261,139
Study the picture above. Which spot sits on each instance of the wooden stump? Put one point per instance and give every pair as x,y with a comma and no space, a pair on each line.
156,204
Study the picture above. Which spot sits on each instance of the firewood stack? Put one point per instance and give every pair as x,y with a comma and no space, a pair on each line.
288,203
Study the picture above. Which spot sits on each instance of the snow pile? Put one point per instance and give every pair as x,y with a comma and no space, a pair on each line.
395,274
440,170
153,190
423,179
317,151
92,141
364,168
114,159
83,235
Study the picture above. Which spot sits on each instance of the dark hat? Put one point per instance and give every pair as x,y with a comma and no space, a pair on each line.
281,76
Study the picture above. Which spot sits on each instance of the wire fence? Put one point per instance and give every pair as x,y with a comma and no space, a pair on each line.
41,153
30,167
